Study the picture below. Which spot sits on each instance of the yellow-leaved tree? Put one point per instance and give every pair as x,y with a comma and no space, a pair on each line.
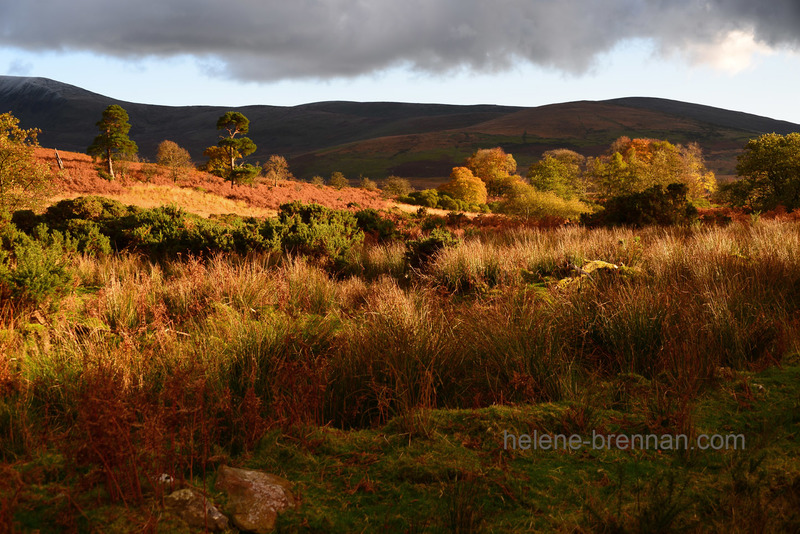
496,168
464,185
23,180
634,165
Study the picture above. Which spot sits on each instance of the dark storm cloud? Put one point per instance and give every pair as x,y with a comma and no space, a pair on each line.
268,40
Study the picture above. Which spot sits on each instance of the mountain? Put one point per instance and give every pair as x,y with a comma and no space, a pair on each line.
419,141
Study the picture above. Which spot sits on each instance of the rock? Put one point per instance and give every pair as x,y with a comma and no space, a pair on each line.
255,498
598,265
196,510
590,269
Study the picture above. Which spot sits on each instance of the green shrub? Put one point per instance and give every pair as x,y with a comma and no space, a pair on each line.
370,221
528,202
92,208
367,184
432,222
394,186
651,206
448,203
420,251
34,271
338,181
88,237
318,231
427,197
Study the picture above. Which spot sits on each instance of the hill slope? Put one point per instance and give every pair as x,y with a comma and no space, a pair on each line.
146,185
419,141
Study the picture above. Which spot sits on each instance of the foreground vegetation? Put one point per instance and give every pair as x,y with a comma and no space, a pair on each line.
388,370
380,361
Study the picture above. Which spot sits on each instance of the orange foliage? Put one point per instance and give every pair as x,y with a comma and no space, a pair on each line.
80,177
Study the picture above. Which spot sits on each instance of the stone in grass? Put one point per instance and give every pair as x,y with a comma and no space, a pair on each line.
254,498
196,510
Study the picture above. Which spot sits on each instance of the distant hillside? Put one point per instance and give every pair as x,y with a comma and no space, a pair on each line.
418,141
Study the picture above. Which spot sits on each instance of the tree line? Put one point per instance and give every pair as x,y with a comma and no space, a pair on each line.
563,182
113,144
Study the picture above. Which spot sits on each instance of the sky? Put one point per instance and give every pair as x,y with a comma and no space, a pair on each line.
734,54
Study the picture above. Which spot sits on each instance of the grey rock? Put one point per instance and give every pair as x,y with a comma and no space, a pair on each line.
196,510
255,498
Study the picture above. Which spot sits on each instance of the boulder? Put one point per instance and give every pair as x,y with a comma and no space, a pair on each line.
255,498
196,510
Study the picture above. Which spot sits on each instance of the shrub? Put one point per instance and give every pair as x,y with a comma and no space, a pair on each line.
317,180
422,250
652,206
367,184
428,198
370,221
318,231
394,186
35,270
526,201
90,208
448,203
338,181
88,237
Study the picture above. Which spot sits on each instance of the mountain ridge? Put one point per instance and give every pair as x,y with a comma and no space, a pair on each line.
419,141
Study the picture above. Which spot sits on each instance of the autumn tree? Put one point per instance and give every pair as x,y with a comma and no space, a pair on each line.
113,140
23,180
277,168
496,168
217,163
769,168
464,185
234,147
634,165
175,158
560,171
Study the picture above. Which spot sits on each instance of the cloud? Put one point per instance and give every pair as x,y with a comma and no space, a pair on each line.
279,39
19,67
732,53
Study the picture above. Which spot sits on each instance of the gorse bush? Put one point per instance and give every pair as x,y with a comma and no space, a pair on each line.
34,272
94,225
317,231
371,222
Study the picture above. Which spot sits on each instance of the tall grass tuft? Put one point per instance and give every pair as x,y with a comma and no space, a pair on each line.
393,359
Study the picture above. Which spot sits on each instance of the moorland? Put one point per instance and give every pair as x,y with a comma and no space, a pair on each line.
386,361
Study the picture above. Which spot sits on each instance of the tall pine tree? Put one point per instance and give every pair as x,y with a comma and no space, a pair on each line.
113,140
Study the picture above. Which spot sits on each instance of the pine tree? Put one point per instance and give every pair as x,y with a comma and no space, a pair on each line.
113,139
